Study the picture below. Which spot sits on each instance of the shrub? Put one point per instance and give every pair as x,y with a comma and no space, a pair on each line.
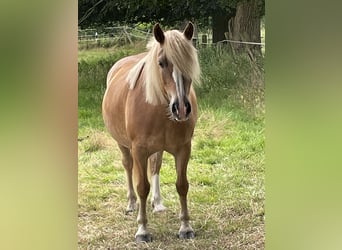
232,78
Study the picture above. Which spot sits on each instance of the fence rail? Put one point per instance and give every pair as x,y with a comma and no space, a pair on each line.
132,34
112,33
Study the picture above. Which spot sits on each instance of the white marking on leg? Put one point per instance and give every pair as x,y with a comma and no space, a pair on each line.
157,201
142,230
185,227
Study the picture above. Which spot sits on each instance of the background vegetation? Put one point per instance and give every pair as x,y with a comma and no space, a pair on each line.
233,19
226,169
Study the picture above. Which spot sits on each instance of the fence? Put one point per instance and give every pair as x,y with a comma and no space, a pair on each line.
126,35
123,34
119,32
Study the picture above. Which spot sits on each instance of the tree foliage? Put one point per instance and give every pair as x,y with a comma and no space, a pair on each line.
167,12
173,13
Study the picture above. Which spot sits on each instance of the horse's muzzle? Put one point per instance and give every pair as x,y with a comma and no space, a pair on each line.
181,110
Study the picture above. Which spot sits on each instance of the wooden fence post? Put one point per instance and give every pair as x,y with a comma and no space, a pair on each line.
204,41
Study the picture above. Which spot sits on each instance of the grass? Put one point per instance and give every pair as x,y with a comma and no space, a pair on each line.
226,170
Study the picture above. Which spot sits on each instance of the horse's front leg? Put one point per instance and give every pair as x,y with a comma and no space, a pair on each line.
140,157
182,185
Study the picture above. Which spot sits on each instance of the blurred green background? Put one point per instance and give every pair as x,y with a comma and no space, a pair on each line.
38,100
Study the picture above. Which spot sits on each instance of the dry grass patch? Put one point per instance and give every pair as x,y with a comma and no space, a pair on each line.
97,140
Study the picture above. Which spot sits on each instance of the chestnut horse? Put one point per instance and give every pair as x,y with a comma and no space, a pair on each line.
149,107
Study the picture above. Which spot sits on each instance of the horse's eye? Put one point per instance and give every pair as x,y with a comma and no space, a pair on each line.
161,64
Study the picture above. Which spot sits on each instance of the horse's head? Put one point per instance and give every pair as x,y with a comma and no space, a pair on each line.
177,60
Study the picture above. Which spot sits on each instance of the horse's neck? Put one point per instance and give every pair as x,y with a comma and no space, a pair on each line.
135,72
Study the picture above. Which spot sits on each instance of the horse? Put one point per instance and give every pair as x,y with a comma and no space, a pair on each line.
149,107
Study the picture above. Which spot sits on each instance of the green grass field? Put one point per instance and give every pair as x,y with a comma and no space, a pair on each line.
226,170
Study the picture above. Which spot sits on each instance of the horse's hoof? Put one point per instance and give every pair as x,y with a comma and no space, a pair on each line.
143,238
131,207
159,208
129,211
186,235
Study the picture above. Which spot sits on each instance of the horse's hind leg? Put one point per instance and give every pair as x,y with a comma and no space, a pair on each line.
155,161
127,162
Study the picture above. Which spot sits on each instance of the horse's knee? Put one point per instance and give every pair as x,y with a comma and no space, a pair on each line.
182,187
143,188
127,163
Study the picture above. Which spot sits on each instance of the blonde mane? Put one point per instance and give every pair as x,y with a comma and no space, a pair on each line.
179,51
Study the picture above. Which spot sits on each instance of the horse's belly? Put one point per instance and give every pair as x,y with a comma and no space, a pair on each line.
116,128
113,111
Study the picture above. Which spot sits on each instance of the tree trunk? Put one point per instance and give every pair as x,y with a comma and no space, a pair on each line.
220,26
245,26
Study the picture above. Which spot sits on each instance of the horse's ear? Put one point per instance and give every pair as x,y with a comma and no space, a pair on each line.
189,31
158,33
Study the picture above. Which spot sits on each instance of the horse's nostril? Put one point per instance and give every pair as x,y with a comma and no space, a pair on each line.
175,107
182,110
188,107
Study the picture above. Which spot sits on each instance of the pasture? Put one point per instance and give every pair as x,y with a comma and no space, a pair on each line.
226,169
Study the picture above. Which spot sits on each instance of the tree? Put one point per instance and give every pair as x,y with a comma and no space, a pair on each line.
245,25
242,15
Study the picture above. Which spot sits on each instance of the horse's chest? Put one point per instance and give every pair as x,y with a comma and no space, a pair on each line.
150,127
178,136
162,137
